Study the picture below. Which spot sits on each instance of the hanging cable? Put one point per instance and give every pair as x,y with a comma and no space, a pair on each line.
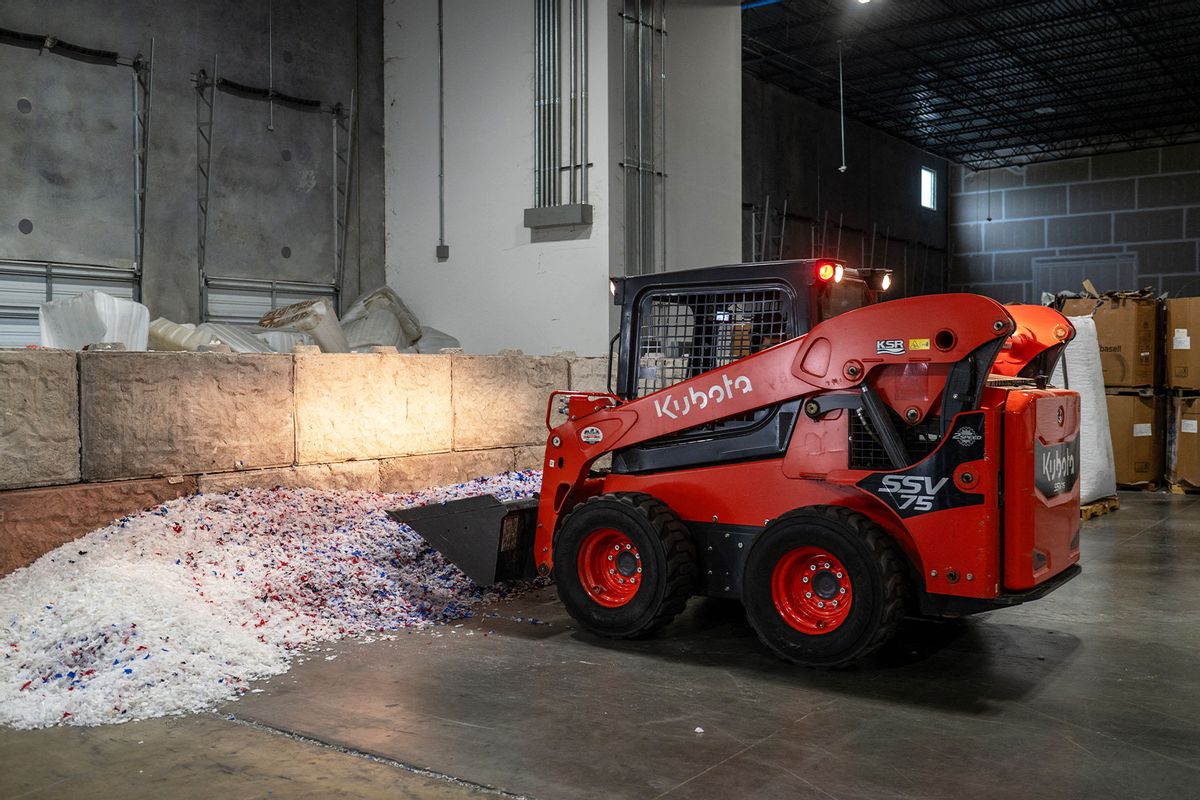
989,214
841,107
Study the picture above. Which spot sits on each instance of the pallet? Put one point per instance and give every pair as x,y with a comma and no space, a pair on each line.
1099,508
1183,488
1142,391
1146,486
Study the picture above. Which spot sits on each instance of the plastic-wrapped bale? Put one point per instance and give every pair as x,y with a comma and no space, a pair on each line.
283,341
1079,369
380,319
315,317
240,339
177,337
92,317
434,341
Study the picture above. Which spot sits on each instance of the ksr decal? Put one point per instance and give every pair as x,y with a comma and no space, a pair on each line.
674,407
891,347
914,492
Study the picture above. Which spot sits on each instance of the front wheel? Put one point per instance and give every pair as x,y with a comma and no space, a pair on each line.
624,564
824,586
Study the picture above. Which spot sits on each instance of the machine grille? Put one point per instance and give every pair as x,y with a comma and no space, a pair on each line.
866,452
682,334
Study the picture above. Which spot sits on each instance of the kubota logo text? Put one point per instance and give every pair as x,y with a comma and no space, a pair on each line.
675,407
912,491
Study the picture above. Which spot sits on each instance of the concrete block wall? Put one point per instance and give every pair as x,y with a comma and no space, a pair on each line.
1143,206
106,434
39,418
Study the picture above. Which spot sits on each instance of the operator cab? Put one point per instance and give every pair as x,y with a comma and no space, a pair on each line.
684,323
687,322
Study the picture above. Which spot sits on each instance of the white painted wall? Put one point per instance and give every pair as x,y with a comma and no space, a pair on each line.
704,133
500,288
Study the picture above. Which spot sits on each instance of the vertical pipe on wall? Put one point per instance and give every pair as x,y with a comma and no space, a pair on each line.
537,103
641,162
573,72
585,46
441,134
556,104
662,82
626,185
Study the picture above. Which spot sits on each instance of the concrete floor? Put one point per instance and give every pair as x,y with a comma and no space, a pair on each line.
1093,692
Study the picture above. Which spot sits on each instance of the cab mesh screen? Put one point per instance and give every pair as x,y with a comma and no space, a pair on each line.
682,334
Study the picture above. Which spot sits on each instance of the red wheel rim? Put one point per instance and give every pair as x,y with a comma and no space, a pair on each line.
811,590
610,567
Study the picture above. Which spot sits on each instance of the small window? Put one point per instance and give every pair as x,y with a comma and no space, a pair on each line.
928,188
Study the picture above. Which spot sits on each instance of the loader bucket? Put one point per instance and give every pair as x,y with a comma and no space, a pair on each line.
489,540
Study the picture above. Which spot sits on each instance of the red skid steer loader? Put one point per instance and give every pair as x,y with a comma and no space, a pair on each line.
778,436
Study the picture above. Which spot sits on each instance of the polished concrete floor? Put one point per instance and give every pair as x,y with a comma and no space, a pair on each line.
1093,692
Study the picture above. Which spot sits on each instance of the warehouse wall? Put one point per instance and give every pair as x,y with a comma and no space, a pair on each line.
792,150
503,286
321,50
703,132
1125,220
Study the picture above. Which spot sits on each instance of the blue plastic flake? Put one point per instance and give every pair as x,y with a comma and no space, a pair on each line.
129,670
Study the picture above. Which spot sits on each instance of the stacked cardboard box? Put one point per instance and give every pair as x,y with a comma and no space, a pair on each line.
1182,380
1127,327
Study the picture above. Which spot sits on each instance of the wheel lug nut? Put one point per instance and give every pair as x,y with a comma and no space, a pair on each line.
808,595
628,547
806,579
839,574
621,580
612,572
610,558
826,565
820,604
639,570
842,590
834,603
812,567
616,547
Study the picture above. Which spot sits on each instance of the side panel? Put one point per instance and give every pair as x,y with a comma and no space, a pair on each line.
1041,474
949,504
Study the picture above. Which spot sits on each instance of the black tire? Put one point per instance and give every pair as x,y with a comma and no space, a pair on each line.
868,565
667,562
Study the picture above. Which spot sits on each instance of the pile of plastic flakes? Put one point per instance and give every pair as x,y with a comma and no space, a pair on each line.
177,608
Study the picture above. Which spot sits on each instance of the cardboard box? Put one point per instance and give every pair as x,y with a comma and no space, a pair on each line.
1137,438
1183,452
1183,360
1127,327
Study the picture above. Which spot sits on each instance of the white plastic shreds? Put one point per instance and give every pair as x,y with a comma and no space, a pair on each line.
177,608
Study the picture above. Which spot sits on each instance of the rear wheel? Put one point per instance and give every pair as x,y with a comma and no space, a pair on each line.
624,564
824,586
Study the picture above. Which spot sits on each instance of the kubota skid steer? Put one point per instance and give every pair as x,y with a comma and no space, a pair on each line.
778,437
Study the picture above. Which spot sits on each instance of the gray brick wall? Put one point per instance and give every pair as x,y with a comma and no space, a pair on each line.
1143,204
